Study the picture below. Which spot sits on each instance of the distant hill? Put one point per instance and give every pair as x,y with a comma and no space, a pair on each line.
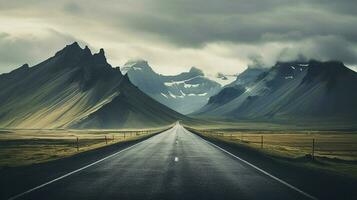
76,89
291,91
185,92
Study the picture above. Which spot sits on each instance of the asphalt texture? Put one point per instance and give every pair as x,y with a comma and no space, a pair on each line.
175,164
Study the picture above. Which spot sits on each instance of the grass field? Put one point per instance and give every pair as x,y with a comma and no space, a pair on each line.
331,150
229,125
25,147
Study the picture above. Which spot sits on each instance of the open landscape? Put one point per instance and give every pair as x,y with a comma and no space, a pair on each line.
178,100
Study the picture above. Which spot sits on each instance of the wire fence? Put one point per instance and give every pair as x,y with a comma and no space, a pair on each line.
332,145
67,140
25,147
84,141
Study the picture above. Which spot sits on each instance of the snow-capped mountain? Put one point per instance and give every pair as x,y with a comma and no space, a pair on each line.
291,91
185,92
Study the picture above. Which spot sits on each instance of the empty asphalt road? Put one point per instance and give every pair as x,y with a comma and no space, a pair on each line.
175,164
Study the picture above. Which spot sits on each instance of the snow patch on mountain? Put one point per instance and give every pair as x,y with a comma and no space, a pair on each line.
185,92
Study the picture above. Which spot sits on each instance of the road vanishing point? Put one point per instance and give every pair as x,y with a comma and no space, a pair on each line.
175,164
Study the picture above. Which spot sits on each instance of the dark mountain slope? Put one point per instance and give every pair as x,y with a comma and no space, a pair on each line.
296,91
67,88
247,77
128,108
234,89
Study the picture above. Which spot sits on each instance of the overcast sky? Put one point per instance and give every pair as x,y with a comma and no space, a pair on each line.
173,35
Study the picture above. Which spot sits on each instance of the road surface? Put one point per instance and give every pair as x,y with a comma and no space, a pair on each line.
175,164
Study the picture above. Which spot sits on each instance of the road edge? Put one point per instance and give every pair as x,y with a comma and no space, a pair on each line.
253,166
131,143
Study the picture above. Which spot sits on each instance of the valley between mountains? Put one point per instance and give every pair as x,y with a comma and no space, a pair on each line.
79,89
74,119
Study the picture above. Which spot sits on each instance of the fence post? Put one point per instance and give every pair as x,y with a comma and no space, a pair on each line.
113,137
231,136
77,144
241,137
124,135
313,148
261,145
106,141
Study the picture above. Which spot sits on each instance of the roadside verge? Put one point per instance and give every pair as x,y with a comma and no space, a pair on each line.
319,183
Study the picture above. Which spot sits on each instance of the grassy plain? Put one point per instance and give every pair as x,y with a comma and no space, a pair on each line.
26,147
335,151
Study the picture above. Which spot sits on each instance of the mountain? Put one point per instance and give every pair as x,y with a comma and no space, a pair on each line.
292,91
185,92
223,79
235,88
247,77
76,89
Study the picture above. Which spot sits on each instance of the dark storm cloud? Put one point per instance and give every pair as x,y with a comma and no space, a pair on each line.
341,6
328,26
225,30
196,23
335,48
321,48
72,7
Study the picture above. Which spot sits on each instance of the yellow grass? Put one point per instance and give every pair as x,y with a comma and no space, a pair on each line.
340,148
25,147
341,145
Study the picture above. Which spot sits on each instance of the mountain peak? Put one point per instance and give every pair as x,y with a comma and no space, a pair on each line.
101,51
73,56
195,70
136,65
74,45
334,63
100,56
71,49
326,69
87,50
25,65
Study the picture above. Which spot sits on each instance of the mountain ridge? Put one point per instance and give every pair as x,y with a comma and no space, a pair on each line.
184,92
310,90
68,87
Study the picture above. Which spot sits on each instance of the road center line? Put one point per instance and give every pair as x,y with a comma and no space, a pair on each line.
257,168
